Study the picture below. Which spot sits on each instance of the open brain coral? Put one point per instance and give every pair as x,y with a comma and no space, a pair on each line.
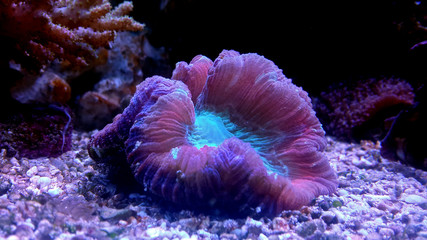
234,133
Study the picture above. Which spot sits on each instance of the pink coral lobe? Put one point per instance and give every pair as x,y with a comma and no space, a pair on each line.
267,152
193,74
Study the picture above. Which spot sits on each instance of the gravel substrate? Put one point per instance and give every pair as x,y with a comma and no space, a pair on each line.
71,197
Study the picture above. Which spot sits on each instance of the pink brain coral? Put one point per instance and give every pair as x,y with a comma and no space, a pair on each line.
237,133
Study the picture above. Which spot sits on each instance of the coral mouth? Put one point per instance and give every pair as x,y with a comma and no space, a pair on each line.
212,128
208,130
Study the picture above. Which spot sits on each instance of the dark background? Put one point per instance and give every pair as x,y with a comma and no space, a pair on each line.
316,43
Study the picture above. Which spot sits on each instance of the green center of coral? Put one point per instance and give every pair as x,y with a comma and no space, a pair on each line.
211,129
208,130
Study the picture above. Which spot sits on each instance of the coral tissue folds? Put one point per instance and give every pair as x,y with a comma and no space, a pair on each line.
231,133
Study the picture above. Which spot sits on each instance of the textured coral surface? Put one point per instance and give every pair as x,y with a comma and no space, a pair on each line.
36,32
250,139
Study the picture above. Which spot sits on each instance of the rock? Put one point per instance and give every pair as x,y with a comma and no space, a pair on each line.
262,237
53,192
316,214
47,88
13,237
154,232
25,230
422,234
307,229
280,224
44,229
325,204
189,224
364,163
32,171
230,236
111,214
5,185
74,206
230,224
115,82
414,199
204,234
5,217
96,110
341,218
386,233
374,236
254,227
329,217
44,182
342,192
412,230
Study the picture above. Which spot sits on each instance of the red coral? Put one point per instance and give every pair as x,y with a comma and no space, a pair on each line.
359,111
36,32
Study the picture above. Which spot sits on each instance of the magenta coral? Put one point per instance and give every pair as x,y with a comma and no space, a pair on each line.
193,75
249,139
41,31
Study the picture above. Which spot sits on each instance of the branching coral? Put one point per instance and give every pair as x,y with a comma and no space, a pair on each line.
359,111
36,32
237,134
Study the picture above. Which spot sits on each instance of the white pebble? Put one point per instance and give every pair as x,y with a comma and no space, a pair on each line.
32,190
53,170
252,222
262,237
14,162
378,221
12,237
342,192
32,171
44,182
363,232
414,199
153,232
54,191
183,234
386,233
35,179
77,161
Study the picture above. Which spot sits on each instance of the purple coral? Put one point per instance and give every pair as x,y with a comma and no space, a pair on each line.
250,139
